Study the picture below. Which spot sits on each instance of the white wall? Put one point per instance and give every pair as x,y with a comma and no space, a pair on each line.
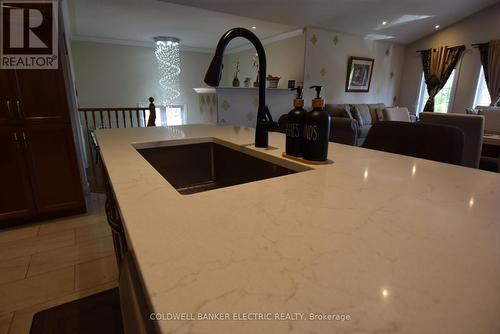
110,75
326,64
478,28
285,59
239,106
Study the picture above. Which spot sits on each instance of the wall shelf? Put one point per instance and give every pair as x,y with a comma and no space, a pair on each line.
210,90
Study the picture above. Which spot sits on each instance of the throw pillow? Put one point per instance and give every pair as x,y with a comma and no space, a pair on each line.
361,112
338,110
471,111
373,110
380,114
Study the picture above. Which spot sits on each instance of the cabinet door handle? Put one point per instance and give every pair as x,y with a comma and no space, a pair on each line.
8,107
16,138
19,110
25,139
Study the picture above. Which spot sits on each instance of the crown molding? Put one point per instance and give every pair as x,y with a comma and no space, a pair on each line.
185,48
269,40
128,42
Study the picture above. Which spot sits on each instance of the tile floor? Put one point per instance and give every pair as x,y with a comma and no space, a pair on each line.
54,262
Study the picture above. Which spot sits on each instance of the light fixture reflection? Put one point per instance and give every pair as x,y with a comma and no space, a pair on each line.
413,170
365,175
471,202
385,293
404,19
437,26
377,37
254,27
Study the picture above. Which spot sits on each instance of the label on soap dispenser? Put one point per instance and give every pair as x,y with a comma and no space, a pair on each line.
316,135
293,130
311,132
294,135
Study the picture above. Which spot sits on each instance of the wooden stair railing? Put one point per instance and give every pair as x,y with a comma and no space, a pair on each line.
113,118
110,118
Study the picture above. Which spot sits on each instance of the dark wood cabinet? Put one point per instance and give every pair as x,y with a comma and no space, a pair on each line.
42,96
53,168
8,97
16,200
38,171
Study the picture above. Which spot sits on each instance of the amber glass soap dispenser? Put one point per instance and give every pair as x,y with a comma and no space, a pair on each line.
316,130
295,126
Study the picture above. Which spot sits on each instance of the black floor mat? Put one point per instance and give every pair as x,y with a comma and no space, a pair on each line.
99,313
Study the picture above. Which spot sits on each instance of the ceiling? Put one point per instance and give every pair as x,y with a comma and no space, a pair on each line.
200,23
407,20
138,21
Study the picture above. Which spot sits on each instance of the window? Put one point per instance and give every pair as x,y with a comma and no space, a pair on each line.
174,115
168,115
442,99
482,94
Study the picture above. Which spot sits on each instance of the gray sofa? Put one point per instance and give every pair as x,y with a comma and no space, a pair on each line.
350,123
363,114
471,125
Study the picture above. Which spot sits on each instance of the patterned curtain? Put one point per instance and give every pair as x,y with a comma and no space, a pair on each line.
484,50
438,65
490,59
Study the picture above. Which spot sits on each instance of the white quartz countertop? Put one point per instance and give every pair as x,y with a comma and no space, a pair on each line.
399,244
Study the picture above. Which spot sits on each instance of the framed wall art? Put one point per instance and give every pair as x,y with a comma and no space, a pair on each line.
359,74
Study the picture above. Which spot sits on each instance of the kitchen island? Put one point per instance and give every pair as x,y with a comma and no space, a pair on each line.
374,242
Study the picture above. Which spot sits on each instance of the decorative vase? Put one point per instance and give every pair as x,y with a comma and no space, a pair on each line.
236,81
256,82
247,82
272,82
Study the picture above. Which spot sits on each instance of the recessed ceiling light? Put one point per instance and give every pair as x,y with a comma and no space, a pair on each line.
254,27
384,23
437,26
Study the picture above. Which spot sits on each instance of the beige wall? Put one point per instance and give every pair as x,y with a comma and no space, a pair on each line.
326,64
285,59
110,75
478,28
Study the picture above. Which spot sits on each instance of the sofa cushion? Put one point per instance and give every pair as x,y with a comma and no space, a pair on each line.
363,131
396,114
362,114
339,110
344,130
491,118
373,110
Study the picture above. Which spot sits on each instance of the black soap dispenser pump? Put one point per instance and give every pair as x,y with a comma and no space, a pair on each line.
316,130
295,126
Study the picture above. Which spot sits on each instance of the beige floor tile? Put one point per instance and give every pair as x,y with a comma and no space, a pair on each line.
62,257
94,273
18,233
32,245
95,202
14,269
5,321
21,323
36,289
68,223
93,231
95,214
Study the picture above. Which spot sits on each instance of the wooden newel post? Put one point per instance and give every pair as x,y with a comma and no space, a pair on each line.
152,112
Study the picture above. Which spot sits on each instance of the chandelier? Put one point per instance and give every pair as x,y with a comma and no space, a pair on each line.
168,56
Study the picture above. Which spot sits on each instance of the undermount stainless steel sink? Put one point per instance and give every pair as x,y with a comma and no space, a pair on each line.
193,168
